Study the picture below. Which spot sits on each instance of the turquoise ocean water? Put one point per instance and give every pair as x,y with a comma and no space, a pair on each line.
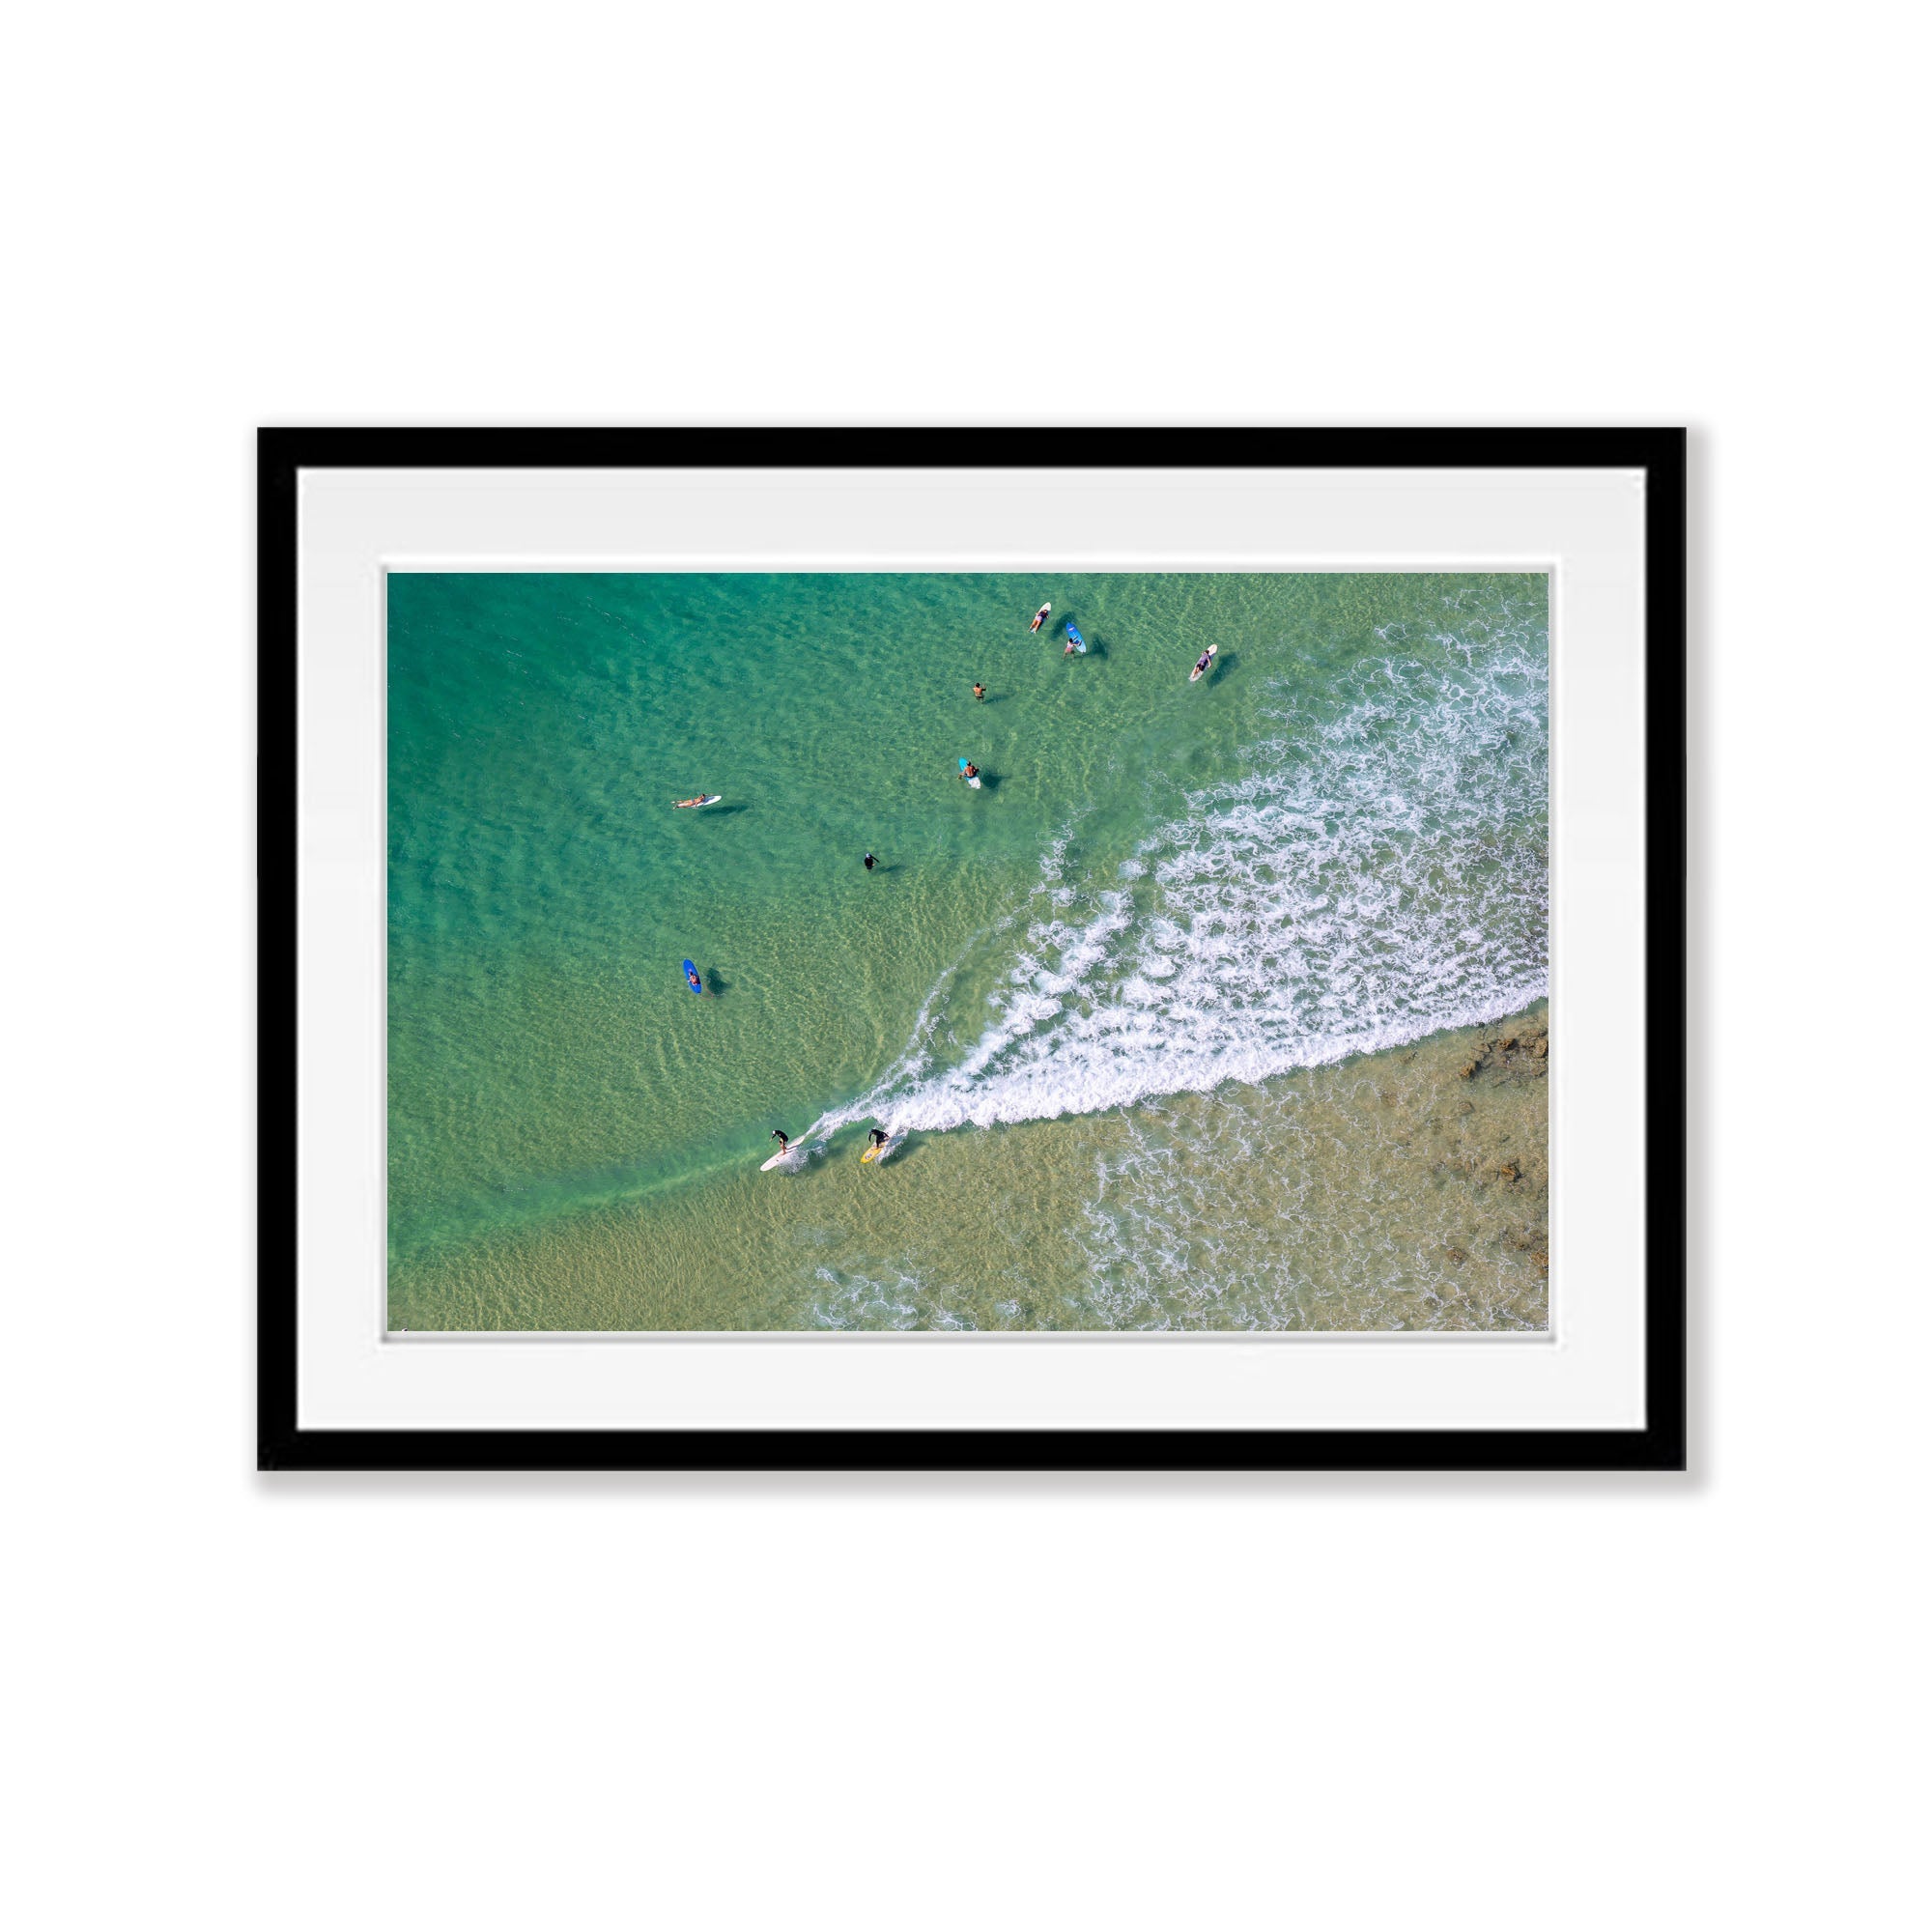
1335,843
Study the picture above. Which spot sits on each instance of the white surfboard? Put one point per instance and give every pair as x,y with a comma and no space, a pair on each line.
697,804
1041,616
1201,671
974,782
792,1153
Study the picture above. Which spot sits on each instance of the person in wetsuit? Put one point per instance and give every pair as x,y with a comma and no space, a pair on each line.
870,862
877,1137
783,1138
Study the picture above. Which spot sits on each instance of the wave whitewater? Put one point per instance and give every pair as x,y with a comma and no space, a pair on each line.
1366,881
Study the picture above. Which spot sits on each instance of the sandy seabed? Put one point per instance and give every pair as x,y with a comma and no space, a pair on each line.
1403,1189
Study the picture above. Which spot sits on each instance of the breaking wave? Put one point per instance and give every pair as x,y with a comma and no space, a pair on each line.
1368,880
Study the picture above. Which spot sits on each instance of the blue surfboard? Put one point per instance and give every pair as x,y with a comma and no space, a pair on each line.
1074,638
690,978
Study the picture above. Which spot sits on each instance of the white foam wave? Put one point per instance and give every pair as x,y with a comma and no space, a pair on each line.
1366,881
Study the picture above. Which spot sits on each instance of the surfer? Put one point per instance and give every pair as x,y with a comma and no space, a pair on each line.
685,804
980,690
783,1138
968,772
1202,662
1074,641
870,862
877,1137
1040,616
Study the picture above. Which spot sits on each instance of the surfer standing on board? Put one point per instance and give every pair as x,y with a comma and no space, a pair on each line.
783,1138
877,1137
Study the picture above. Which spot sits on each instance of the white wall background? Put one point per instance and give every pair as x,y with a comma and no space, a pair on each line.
237,1702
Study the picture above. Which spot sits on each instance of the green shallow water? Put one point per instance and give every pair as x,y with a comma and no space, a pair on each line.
574,1138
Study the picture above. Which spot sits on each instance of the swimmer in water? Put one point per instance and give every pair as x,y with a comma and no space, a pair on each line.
870,862
979,691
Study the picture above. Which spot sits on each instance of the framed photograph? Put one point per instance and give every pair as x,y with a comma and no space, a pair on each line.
972,949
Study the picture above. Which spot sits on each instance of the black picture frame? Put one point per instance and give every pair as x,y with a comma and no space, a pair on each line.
1659,1445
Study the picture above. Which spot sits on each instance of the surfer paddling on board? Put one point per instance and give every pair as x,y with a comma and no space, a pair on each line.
702,797
1040,616
1202,662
